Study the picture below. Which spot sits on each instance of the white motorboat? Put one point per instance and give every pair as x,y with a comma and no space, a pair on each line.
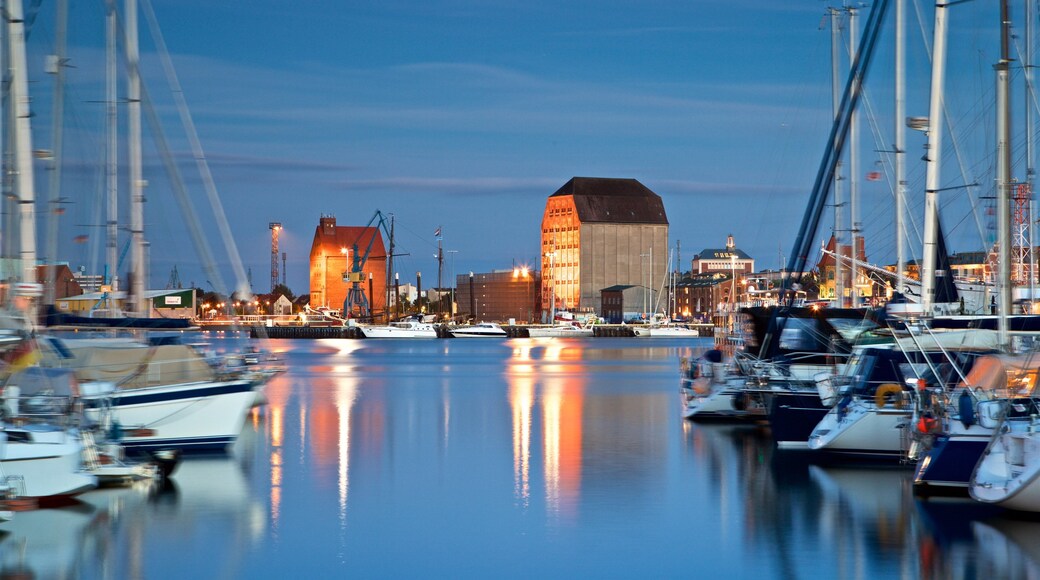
160,397
481,330
402,329
561,330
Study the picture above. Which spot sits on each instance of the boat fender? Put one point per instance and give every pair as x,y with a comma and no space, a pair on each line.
966,407
928,423
115,433
889,393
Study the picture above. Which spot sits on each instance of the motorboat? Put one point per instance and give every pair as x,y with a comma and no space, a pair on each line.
560,330
161,396
480,330
401,329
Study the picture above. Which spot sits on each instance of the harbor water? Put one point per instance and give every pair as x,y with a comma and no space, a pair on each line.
508,458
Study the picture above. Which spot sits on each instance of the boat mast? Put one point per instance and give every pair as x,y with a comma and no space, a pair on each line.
853,170
137,183
440,271
22,134
900,144
57,68
112,140
839,282
933,152
1003,180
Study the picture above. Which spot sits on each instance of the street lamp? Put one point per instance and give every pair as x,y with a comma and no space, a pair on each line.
453,282
552,286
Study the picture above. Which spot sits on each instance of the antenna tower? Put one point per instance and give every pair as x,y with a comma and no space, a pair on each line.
275,228
1022,271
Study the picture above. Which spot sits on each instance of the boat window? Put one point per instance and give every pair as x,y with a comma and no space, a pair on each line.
851,328
937,374
799,334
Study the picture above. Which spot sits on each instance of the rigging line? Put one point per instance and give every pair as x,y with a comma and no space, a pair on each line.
196,146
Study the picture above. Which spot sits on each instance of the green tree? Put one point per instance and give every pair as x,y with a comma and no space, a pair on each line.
283,290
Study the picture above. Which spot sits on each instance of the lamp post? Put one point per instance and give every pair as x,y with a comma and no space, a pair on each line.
732,291
552,286
643,281
451,306
472,298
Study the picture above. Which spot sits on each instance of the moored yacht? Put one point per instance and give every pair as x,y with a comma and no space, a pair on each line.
480,330
400,329
873,415
160,397
562,329
41,451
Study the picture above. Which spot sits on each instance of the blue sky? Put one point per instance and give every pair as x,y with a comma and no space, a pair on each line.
467,115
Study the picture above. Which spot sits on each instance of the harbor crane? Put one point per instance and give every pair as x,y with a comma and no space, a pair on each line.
356,304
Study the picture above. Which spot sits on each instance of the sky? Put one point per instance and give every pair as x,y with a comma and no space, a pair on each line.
467,115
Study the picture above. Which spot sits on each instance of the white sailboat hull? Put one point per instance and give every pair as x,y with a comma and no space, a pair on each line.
190,417
49,466
1008,474
864,430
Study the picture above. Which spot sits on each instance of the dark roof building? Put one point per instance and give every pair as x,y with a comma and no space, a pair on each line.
599,232
728,259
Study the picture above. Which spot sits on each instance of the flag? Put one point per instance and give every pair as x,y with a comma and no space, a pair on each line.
874,176
81,239
21,356
437,232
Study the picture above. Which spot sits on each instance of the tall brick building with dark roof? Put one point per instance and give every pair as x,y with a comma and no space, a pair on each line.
600,232
332,254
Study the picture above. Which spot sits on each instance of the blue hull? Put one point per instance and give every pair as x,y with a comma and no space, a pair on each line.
793,415
948,465
192,446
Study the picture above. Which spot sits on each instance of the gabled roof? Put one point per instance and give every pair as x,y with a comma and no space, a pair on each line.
610,200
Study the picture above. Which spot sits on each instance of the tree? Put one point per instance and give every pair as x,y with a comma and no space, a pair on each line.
283,290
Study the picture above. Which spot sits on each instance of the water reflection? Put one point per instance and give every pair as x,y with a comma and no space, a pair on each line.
538,458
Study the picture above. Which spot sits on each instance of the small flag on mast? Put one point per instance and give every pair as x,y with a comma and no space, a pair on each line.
437,232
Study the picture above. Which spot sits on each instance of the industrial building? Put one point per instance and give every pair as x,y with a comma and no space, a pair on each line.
500,295
334,252
597,233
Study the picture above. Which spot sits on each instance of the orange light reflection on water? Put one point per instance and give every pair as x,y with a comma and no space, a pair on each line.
535,364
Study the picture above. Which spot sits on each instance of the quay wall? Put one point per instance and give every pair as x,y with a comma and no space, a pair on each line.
513,331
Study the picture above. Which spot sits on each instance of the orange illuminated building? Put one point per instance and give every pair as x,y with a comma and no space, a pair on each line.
600,232
332,257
